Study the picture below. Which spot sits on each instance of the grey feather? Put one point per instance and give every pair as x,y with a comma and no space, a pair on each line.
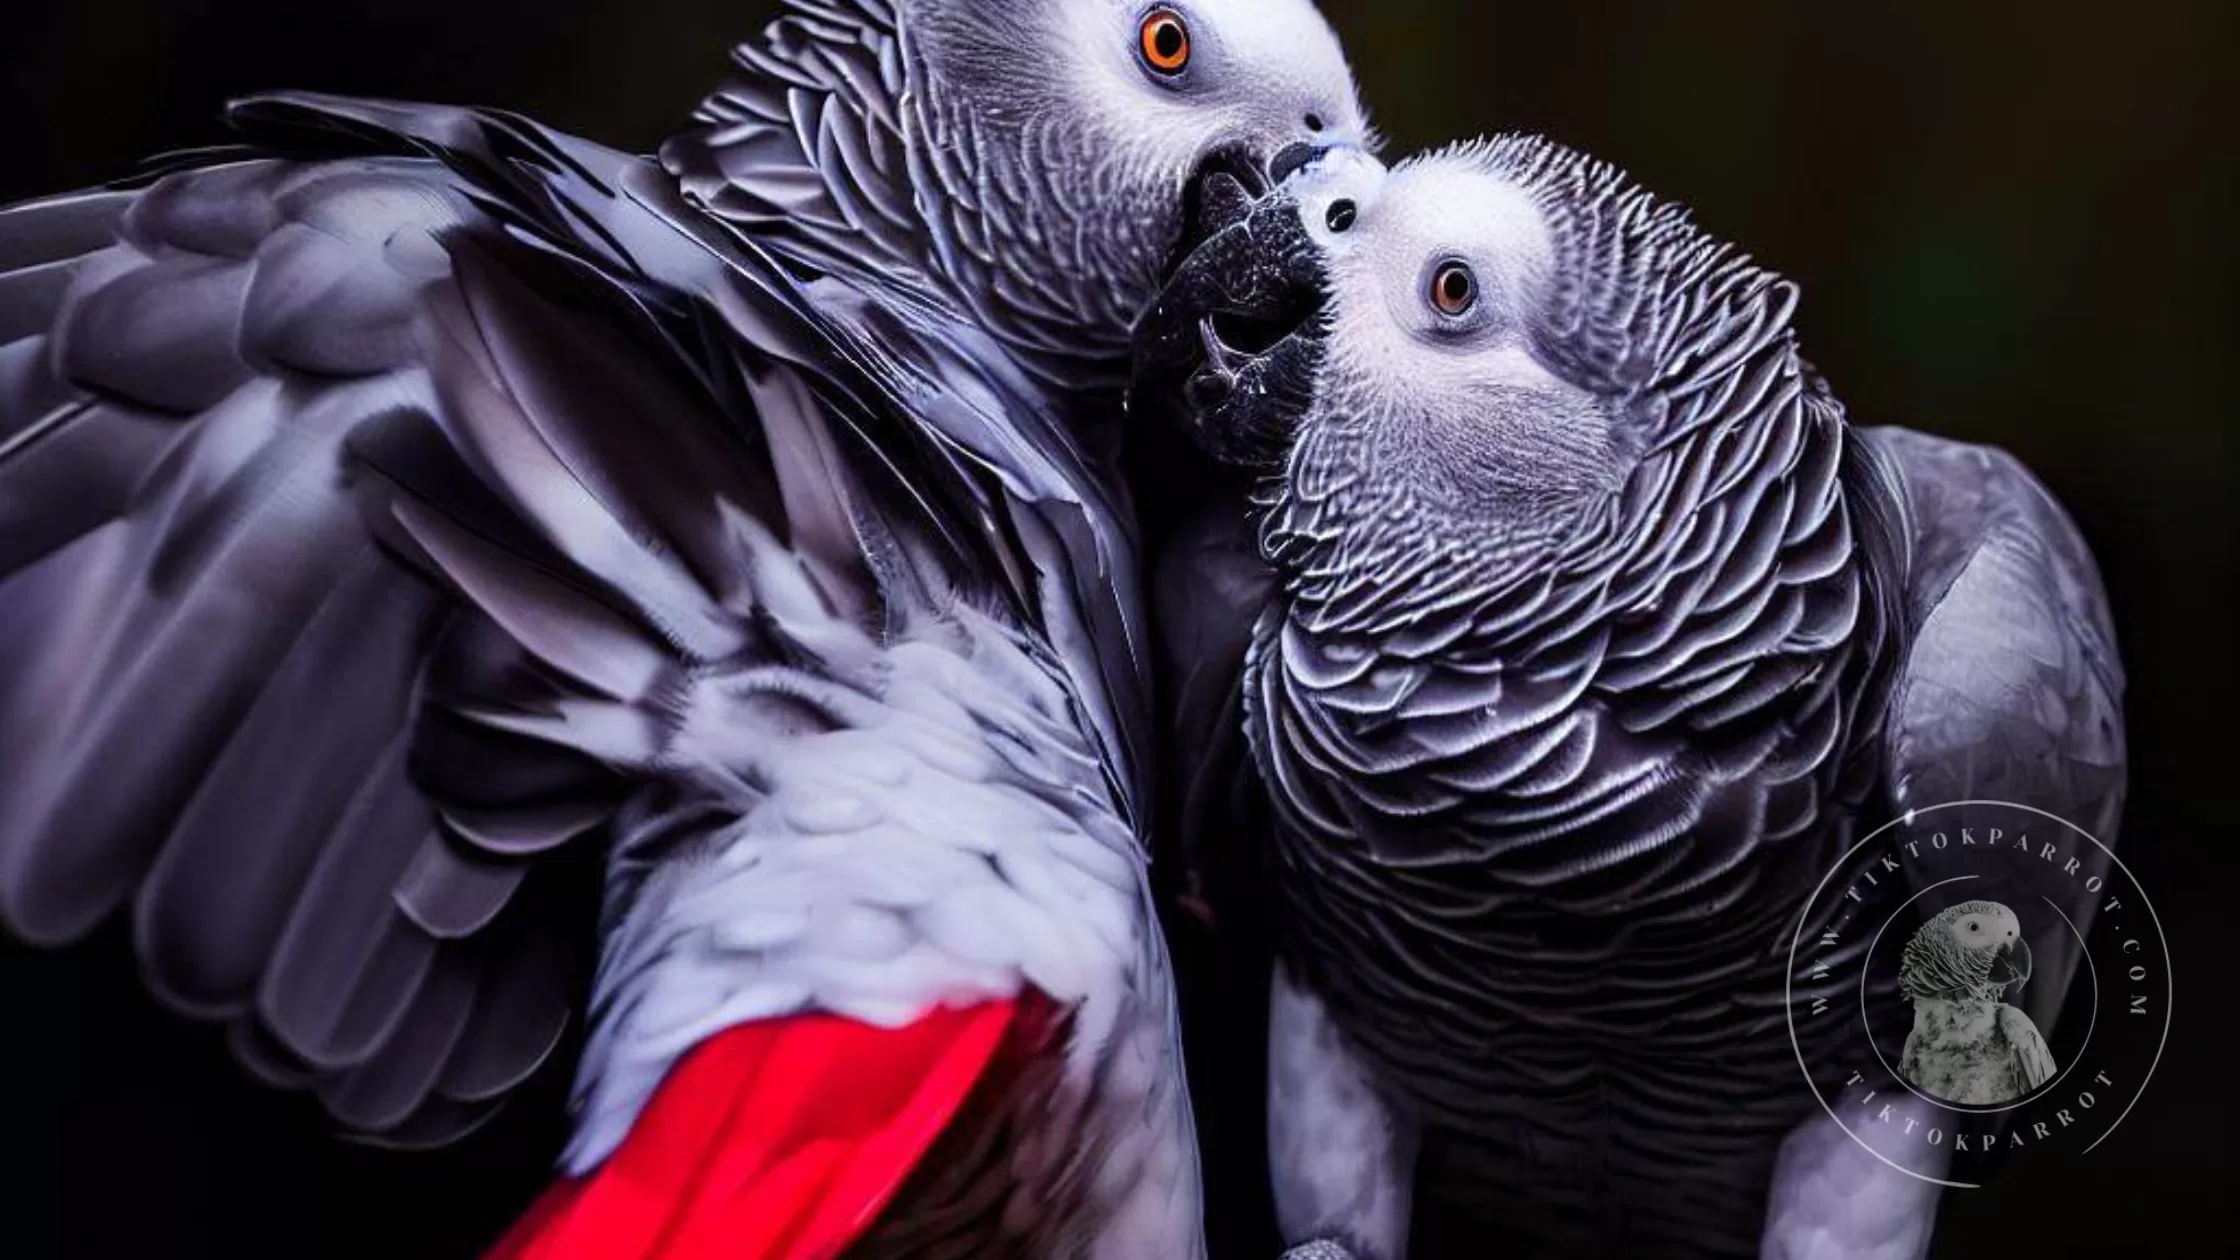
201,583
346,967
453,893
1344,1157
208,916
2013,688
415,1052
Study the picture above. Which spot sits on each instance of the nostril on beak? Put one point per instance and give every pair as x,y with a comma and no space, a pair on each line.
1292,159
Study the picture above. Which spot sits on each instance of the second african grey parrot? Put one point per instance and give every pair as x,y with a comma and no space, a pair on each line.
1587,635
414,495
1966,1045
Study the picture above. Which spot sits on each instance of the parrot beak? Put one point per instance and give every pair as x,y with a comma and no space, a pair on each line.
1236,337
2011,965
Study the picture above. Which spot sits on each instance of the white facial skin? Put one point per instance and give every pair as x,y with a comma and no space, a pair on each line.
1450,405
1986,931
1255,69
1086,141
1425,214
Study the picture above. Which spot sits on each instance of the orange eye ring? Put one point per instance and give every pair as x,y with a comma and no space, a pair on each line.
1454,289
1165,41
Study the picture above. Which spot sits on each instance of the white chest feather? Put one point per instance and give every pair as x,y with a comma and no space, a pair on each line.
1958,1052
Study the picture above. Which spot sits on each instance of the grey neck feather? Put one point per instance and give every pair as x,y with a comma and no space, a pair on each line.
839,151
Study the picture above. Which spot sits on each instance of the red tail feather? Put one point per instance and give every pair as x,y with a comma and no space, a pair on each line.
777,1140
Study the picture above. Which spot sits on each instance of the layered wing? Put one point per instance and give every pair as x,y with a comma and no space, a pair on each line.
238,406
2012,690
226,696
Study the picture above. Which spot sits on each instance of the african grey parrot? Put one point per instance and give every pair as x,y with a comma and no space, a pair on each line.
1967,1046
414,503
1587,635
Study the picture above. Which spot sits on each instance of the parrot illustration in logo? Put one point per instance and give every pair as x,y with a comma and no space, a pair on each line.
1966,1045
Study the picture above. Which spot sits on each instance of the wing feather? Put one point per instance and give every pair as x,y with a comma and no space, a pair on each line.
214,392
2012,690
2033,1059
211,906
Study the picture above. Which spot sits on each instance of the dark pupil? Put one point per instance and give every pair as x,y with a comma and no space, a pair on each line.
1167,40
1457,288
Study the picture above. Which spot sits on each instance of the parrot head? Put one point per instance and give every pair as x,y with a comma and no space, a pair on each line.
1971,950
1472,356
1087,134
1031,165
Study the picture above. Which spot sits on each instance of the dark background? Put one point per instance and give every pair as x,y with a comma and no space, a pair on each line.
2013,221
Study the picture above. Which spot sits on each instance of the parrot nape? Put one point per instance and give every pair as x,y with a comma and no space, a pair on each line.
410,497
1586,635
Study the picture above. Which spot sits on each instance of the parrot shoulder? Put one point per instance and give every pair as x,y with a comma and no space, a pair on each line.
2010,688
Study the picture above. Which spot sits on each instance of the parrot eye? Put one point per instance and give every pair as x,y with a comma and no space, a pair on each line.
1454,289
1166,41
1975,927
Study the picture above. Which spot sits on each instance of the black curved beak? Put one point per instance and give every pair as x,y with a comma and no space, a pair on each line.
1235,339
2011,964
